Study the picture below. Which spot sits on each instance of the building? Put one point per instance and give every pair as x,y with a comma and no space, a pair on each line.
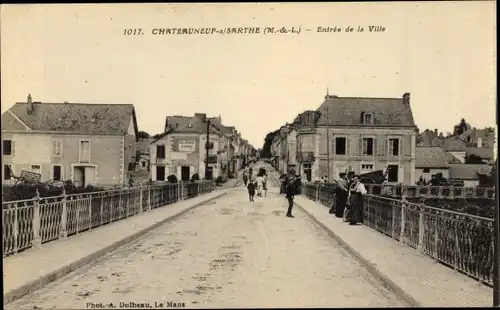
291,141
430,160
485,154
365,134
89,144
468,174
181,150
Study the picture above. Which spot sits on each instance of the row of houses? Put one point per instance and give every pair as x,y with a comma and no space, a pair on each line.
457,157
367,134
97,144
182,149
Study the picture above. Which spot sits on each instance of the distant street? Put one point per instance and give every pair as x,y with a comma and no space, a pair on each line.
228,253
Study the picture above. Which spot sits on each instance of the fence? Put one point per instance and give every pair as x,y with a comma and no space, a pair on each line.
461,241
417,191
32,222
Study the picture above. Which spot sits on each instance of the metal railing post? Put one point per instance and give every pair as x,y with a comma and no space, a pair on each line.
403,220
102,209
149,198
37,240
90,212
63,231
421,229
140,200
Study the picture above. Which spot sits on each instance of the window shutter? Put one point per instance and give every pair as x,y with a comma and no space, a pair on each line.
360,149
374,146
61,149
334,147
380,147
12,148
347,146
401,147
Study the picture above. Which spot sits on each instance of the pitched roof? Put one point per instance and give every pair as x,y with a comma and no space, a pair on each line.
454,143
83,118
468,172
343,111
430,157
452,159
482,152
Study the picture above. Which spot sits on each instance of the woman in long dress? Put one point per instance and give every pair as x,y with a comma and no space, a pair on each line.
357,192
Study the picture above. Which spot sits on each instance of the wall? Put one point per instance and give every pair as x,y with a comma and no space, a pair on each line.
36,149
354,156
427,175
130,146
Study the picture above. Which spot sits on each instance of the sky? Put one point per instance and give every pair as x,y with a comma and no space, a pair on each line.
443,53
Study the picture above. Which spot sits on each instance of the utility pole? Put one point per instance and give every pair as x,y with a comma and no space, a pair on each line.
328,145
207,149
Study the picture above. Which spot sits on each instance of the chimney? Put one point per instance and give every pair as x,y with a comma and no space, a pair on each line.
406,98
436,132
30,104
200,116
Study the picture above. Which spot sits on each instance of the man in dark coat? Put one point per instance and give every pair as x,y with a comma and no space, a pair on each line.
290,193
357,192
341,193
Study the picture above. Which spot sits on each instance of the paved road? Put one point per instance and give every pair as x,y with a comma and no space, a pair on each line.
228,253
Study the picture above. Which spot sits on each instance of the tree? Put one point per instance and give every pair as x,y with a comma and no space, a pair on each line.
266,148
461,127
474,160
143,135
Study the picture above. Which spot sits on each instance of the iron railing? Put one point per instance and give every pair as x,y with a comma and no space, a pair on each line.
459,240
33,222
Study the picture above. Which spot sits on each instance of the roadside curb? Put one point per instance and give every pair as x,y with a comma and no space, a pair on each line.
372,267
52,276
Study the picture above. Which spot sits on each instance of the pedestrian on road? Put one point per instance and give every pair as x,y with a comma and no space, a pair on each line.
260,185
265,185
357,192
245,178
251,190
341,195
290,194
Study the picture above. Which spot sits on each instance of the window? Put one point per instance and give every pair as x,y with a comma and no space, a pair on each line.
7,172
340,146
143,164
367,146
7,147
427,170
57,173
57,148
366,118
394,147
393,173
160,151
85,151
366,168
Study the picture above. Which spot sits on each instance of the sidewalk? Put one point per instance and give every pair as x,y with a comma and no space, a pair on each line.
34,268
417,279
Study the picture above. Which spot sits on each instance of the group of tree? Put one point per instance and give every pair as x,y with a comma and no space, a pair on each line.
268,141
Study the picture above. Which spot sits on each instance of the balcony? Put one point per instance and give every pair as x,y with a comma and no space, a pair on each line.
305,157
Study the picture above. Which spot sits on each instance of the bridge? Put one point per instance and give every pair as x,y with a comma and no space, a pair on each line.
194,246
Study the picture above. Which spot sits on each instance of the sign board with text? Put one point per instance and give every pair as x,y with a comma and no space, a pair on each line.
187,146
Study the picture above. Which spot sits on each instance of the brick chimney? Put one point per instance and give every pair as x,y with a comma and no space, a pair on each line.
406,98
30,104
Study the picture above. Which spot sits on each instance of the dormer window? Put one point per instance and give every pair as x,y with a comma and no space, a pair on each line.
366,118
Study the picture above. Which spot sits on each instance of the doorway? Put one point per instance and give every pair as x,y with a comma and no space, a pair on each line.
160,173
84,175
210,173
185,173
393,173
308,172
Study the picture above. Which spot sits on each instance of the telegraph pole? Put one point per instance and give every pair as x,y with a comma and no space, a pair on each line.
328,145
207,149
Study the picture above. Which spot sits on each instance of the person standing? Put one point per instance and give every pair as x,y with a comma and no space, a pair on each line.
265,185
260,185
341,195
357,192
251,190
245,178
290,194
